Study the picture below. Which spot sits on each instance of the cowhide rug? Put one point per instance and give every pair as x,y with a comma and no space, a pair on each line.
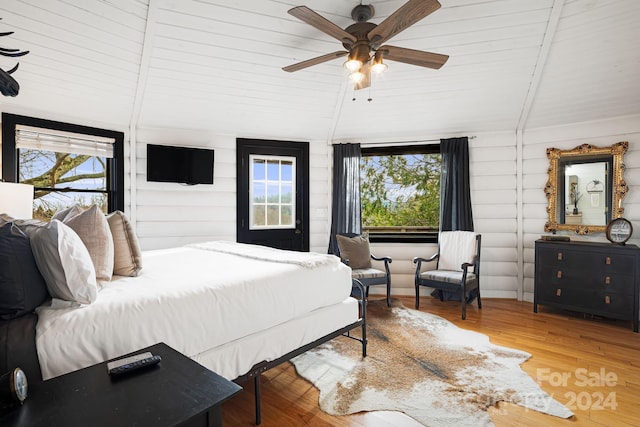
424,366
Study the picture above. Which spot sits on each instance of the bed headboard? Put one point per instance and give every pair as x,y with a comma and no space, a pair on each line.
18,347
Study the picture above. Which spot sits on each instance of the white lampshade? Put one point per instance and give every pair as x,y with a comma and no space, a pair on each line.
16,200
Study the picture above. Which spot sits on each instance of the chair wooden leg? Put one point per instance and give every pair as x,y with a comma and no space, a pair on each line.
464,307
479,300
388,293
417,296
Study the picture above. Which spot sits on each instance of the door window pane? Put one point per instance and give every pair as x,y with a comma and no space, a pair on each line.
287,171
259,217
287,193
273,170
287,214
259,169
259,195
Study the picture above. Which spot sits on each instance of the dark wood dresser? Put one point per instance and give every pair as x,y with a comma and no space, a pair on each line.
589,277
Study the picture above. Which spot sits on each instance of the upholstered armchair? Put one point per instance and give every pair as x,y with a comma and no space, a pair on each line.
356,253
457,268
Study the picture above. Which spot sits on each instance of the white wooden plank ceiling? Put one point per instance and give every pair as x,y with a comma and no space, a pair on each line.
216,65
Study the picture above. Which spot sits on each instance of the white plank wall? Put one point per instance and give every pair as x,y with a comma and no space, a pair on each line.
173,214
319,179
494,195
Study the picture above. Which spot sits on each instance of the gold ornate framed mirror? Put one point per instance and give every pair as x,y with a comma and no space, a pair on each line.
585,187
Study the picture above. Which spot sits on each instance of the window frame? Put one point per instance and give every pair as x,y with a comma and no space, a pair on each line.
280,204
115,165
387,150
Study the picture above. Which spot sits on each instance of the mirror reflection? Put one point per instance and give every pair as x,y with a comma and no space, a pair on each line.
586,186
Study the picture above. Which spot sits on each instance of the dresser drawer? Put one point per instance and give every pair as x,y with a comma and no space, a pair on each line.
614,282
603,303
584,261
612,304
582,279
616,263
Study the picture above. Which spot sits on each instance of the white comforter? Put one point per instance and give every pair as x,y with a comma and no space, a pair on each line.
193,299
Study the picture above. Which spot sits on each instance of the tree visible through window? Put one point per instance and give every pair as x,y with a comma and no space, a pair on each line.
400,189
63,179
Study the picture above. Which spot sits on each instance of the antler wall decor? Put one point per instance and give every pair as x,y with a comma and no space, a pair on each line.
8,85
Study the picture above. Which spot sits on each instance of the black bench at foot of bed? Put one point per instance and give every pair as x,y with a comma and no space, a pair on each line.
257,370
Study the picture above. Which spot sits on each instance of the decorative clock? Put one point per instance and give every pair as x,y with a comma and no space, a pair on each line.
13,387
619,231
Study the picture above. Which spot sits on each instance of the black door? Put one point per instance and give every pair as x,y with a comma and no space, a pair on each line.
273,193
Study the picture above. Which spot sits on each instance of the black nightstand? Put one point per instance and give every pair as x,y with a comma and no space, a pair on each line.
178,391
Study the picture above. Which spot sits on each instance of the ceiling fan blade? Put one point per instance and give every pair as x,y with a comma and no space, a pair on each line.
307,15
314,61
414,57
407,15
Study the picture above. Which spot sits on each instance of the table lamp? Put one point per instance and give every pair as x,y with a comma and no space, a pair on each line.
16,200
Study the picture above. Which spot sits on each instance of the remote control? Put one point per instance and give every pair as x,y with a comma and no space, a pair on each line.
129,359
135,365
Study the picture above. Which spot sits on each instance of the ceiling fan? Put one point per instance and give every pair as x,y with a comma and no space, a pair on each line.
363,40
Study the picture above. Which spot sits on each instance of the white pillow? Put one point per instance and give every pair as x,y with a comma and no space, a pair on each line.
64,262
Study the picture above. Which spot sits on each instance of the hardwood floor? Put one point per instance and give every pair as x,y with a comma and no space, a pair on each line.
591,365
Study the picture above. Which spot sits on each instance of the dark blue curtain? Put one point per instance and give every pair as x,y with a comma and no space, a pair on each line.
455,194
345,208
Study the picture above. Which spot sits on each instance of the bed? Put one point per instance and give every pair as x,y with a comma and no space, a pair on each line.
236,309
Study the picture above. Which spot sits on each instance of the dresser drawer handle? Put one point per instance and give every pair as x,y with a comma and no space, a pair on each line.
607,280
608,260
559,256
559,274
607,300
559,292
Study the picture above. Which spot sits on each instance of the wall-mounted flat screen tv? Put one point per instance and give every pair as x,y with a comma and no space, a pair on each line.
179,164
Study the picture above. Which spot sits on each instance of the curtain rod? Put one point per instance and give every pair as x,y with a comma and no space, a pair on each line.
398,143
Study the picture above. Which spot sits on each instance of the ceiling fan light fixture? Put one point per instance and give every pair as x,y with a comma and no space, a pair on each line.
357,77
353,65
358,56
378,67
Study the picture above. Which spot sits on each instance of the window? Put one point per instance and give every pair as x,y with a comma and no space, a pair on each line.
65,163
272,189
400,192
